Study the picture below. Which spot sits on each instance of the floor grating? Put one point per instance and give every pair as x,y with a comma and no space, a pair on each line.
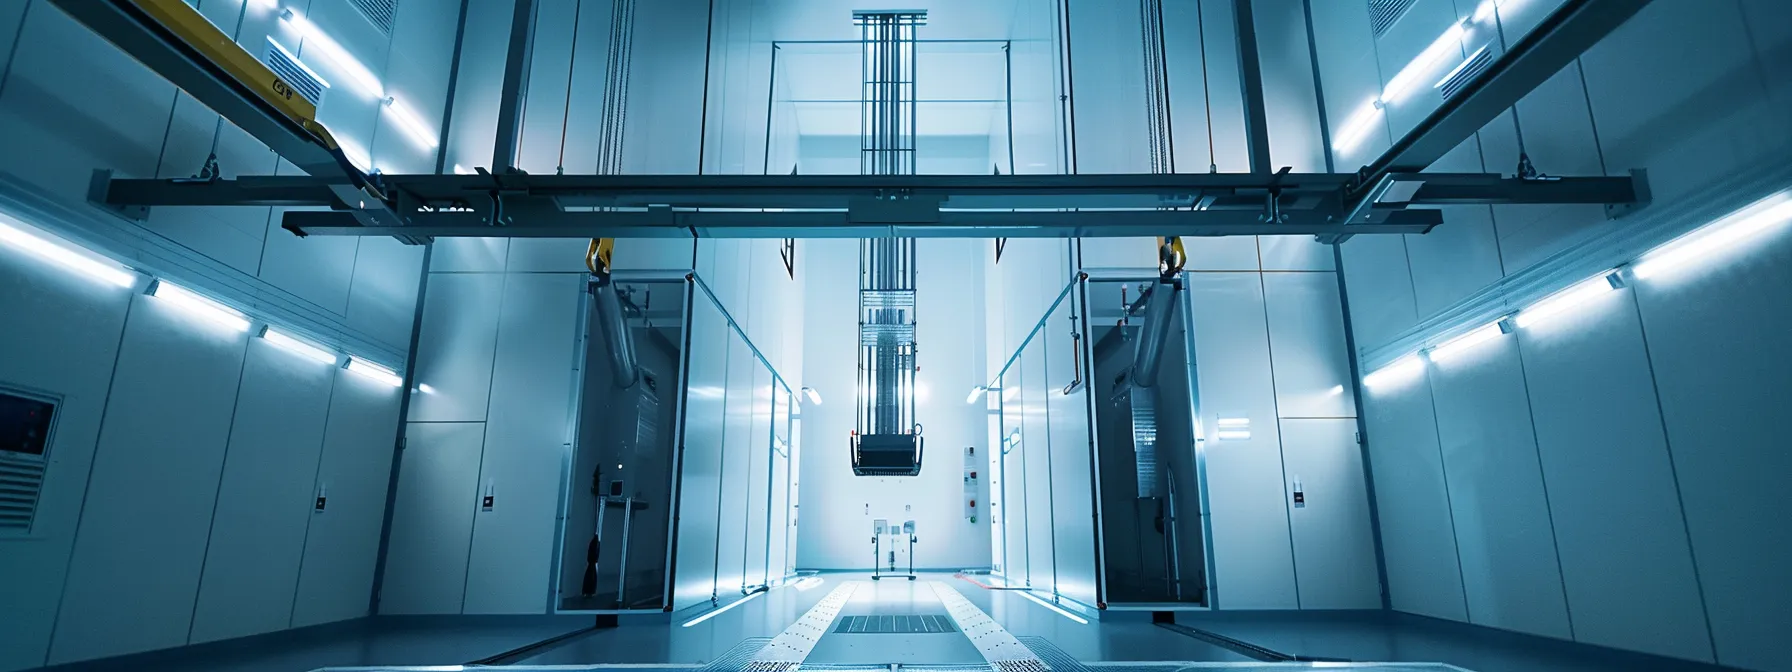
895,624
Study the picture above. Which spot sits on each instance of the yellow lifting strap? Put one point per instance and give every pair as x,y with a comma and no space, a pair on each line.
597,257
1176,257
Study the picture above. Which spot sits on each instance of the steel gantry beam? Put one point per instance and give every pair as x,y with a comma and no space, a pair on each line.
1561,37
861,206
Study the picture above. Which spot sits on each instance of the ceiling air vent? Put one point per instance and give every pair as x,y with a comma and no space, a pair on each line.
1383,14
25,424
1465,73
288,67
383,14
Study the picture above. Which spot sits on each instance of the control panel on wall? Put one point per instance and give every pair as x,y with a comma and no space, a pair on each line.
25,425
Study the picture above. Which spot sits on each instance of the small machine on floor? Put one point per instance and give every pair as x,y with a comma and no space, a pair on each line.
881,527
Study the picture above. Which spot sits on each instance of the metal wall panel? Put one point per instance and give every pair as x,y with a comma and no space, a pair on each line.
1290,97
432,519
1418,542
1252,552
1720,390
1381,289
1306,346
753,514
737,459
1625,558
1112,133
470,255
1334,550
1345,46
342,542
528,434
665,120
68,347
169,366
454,353
1293,253
1498,497
552,255
382,298
258,527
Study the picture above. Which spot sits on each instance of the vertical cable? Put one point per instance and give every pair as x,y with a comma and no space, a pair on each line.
571,63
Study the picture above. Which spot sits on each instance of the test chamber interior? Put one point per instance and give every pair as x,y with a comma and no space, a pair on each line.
1154,547
622,465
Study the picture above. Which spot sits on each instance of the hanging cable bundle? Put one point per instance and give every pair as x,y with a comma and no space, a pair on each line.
614,117
1157,86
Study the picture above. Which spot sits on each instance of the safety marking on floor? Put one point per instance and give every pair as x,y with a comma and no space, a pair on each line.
1000,649
790,647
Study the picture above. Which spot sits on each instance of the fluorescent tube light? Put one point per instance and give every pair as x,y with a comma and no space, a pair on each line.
425,388
1403,82
1402,369
358,74
814,397
976,393
1714,237
1358,127
717,612
1455,347
463,170
374,371
199,306
64,256
412,124
1053,607
1559,302
297,347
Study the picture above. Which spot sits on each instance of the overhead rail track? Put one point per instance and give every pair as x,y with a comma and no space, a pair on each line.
1388,196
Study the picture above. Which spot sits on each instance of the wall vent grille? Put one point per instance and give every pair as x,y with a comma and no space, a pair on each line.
1467,72
287,66
20,482
1383,14
383,14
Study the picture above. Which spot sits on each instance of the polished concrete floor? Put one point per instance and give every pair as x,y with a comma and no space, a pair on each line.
1113,644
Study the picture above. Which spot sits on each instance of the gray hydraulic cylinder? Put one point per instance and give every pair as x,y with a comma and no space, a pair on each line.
1160,312
618,340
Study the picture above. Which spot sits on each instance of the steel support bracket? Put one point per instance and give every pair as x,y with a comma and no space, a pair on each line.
99,188
1639,179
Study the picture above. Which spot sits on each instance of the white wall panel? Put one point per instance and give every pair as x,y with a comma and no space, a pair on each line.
1625,558
527,436
1418,542
1306,345
737,458
756,505
72,339
1042,566
1498,498
1225,253
1253,555
1345,47
1456,259
1290,100
319,269
432,519
169,366
470,255
1293,253
1334,549
1073,490
665,115
1381,289
342,542
1713,334
258,527
456,349
382,298
1112,135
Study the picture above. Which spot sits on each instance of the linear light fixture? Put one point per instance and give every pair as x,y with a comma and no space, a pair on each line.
356,154
412,125
717,612
374,371
65,255
1234,429
199,306
1402,369
1061,612
1403,82
463,170
358,75
1455,347
813,396
1577,294
1358,127
1712,238
425,388
976,393
296,346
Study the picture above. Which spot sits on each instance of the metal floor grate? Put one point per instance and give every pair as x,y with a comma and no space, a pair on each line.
895,624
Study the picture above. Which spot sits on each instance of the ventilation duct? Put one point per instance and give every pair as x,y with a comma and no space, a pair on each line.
613,327
1160,310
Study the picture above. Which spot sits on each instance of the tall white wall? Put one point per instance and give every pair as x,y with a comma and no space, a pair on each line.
836,525
227,439
1586,478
